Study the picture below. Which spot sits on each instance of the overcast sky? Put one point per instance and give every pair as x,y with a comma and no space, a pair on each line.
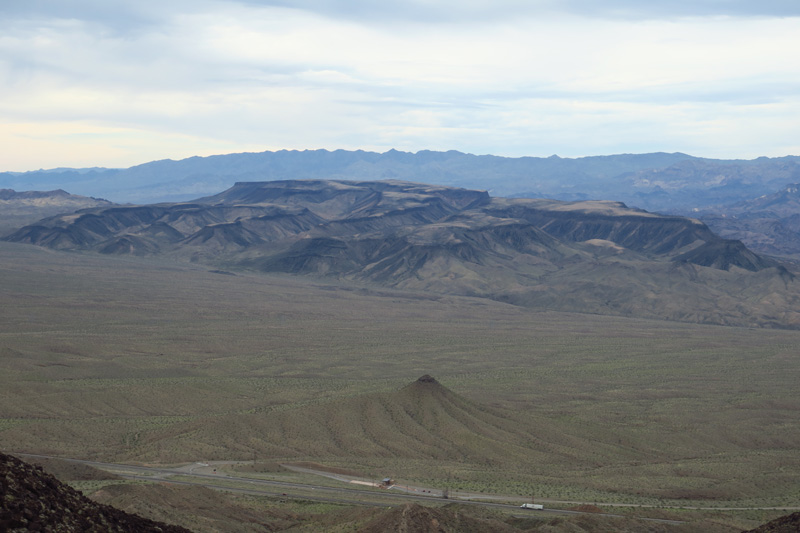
116,83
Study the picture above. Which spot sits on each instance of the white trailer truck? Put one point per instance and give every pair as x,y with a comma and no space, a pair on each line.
535,506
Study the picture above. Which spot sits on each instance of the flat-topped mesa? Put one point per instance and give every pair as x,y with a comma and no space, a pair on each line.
344,198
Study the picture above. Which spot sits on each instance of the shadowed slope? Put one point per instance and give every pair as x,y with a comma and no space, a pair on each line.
785,524
723,255
35,501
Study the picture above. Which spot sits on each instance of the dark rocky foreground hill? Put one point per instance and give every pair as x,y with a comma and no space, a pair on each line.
596,257
35,501
785,524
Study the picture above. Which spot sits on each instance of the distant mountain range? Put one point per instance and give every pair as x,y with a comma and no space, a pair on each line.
656,182
660,182
591,256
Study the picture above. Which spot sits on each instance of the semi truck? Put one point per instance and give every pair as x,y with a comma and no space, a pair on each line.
536,506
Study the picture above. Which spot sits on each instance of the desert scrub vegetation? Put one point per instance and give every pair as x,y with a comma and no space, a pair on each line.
151,361
88,487
6,423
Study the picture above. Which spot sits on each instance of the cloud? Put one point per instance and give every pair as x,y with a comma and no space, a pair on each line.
511,78
683,8
439,11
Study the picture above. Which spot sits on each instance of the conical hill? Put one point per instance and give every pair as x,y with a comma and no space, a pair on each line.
422,420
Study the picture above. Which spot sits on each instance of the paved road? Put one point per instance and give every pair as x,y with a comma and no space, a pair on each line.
262,487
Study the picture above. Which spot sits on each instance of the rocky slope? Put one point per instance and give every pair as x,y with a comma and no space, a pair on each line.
785,524
35,501
599,257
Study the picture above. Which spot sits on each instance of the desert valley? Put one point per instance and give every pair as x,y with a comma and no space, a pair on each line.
317,353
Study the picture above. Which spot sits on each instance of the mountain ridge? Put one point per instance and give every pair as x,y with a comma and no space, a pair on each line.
18,208
769,224
450,241
656,181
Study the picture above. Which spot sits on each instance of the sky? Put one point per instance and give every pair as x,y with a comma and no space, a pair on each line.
116,83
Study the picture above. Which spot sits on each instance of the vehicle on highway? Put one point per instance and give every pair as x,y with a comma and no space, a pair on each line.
535,506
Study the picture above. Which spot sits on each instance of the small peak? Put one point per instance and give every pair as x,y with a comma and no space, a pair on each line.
427,378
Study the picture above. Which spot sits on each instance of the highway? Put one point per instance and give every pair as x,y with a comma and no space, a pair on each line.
301,491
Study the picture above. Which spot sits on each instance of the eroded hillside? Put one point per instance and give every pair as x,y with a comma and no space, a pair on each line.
596,257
